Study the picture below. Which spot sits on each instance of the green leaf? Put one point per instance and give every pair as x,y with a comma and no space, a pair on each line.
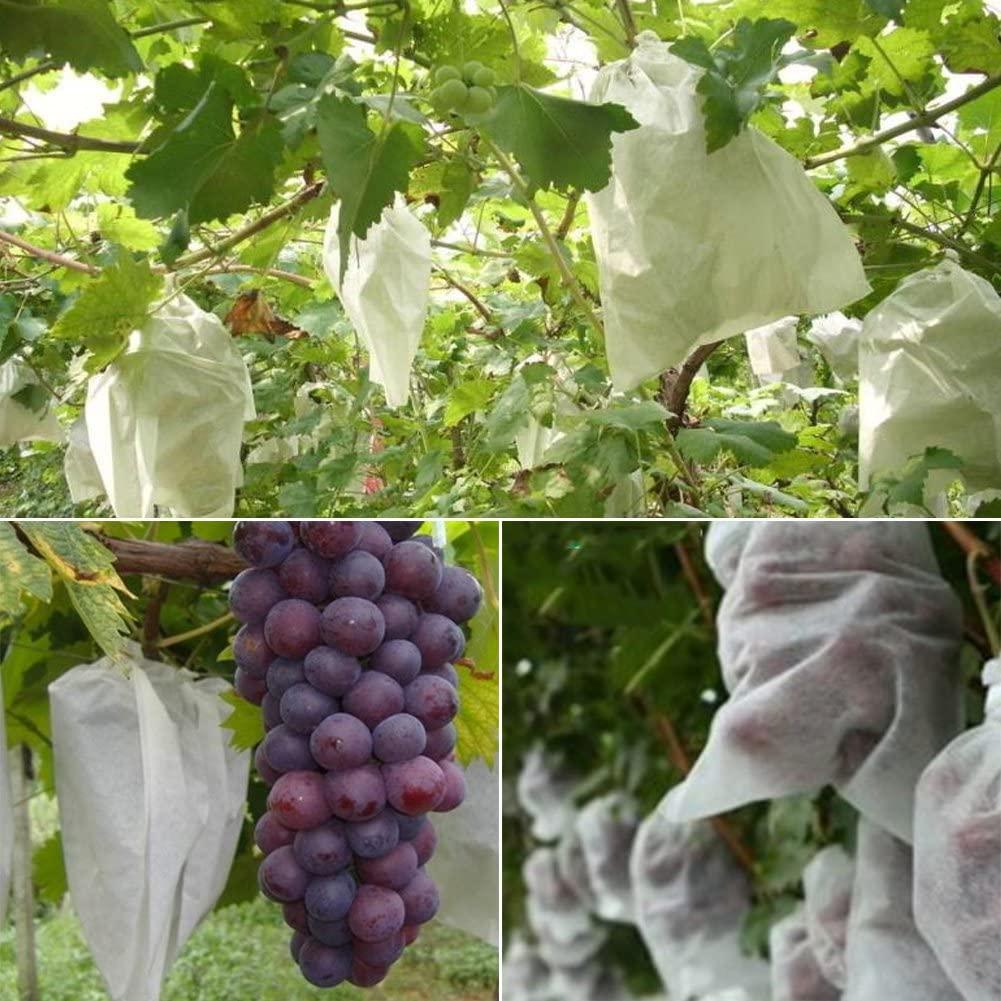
630,416
468,398
557,141
892,10
479,691
365,170
753,444
108,309
509,414
20,573
48,871
821,23
245,722
32,397
910,489
82,33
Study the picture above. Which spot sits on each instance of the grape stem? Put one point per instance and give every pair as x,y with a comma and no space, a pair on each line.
196,632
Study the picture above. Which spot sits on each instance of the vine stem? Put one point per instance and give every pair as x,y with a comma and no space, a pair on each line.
196,632
969,542
628,21
488,577
928,117
985,172
978,591
48,255
477,303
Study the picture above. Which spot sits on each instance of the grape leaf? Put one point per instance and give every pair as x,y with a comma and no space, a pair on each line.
820,23
82,33
557,141
20,573
753,444
892,10
630,416
48,871
365,170
479,691
245,721
108,309
910,488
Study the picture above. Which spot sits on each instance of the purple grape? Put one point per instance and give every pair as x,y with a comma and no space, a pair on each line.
251,651
305,575
292,628
441,742
329,898
455,787
299,800
269,775
409,826
376,913
333,933
253,593
299,939
400,615
288,751
394,870
447,673
415,786
375,837
400,659
399,738
432,700
420,899
459,595
413,570
270,834
283,674
374,698
263,543
331,671
304,707
295,916
363,975
399,530
281,877
359,574
425,841
354,625
385,952
323,850
426,540
331,539
357,794
341,742
271,711
374,539
250,688
324,966
439,640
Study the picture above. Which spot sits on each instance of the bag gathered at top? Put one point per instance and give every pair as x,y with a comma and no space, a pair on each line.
17,421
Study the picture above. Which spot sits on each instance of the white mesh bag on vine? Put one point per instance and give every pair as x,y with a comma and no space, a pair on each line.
724,545
82,475
691,899
385,292
839,646
886,955
836,337
930,375
6,816
773,351
827,891
467,843
527,976
151,802
607,826
165,418
545,793
591,981
675,227
957,853
796,974
571,864
19,422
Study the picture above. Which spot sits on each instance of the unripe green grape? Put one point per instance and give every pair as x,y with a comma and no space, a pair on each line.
484,77
471,69
479,101
439,101
453,93
445,73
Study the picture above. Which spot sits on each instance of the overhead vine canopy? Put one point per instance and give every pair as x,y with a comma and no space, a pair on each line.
207,143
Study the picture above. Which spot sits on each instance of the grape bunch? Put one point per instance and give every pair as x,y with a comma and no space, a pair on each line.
466,91
350,631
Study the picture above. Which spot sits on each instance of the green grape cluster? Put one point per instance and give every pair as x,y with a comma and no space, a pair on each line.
466,91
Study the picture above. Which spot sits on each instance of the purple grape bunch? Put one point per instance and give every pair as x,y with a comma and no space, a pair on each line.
349,634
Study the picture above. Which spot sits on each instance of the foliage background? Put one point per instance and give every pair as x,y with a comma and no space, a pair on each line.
232,185
607,636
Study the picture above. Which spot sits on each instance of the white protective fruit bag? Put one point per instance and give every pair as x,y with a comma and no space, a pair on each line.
957,853
468,843
606,827
527,976
6,816
796,974
165,419
839,647
930,375
675,227
82,475
151,803
886,956
691,899
827,891
545,793
836,337
773,350
385,292
18,422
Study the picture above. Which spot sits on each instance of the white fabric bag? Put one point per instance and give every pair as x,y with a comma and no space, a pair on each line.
886,955
82,475
385,292
468,850
796,974
18,422
151,801
957,853
836,337
165,419
533,441
773,349
556,913
827,890
527,976
545,793
930,375
571,863
691,899
724,545
675,227
839,647
6,816
606,827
